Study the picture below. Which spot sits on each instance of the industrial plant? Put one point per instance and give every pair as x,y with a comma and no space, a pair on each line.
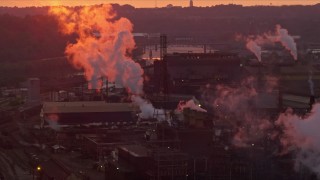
128,105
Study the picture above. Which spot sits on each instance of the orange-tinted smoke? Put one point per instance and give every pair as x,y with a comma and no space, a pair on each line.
102,45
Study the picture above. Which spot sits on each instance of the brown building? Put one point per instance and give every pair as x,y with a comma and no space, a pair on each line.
146,163
185,73
87,113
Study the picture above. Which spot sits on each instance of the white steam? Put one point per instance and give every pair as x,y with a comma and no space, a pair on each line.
147,109
105,55
302,135
235,106
286,40
191,105
255,48
281,36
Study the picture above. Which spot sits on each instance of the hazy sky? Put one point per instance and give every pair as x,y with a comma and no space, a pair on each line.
153,3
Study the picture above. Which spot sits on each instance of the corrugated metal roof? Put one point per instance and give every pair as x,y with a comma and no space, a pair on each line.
136,150
295,98
86,106
293,104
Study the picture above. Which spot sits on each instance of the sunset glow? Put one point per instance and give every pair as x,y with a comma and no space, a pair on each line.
154,3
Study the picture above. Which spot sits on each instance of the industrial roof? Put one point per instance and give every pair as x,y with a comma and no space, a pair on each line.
295,101
294,105
184,59
295,98
86,106
55,169
216,54
136,150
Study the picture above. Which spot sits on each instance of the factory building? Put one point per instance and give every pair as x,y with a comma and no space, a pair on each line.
87,113
185,73
99,147
147,163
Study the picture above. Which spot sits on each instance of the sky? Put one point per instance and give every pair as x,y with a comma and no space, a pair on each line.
154,3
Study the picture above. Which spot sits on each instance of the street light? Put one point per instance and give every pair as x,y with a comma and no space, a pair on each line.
33,173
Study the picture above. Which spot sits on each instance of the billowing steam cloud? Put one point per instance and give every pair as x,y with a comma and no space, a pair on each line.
280,36
235,99
255,48
104,55
236,105
52,121
271,83
191,105
286,40
102,48
297,134
301,134
147,110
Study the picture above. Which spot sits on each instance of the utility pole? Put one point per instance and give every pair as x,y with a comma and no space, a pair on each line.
163,52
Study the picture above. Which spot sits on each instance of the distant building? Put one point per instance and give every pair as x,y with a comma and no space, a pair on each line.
191,3
99,147
33,85
169,6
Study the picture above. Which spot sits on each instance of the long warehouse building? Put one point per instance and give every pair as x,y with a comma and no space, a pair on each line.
87,113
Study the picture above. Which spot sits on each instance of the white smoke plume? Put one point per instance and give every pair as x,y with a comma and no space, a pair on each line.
254,44
297,134
301,135
281,35
286,40
253,129
191,105
255,48
147,110
52,121
235,99
105,54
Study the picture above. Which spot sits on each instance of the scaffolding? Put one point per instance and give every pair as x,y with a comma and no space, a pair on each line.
170,164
